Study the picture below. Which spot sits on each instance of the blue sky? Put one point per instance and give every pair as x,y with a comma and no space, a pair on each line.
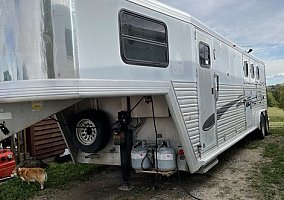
256,24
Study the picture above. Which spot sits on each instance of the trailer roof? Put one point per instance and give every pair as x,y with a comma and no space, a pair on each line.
183,16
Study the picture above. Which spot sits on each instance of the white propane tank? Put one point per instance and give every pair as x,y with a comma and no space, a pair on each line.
166,158
139,156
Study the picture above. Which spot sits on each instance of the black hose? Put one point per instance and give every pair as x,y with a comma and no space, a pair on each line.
180,180
156,142
146,156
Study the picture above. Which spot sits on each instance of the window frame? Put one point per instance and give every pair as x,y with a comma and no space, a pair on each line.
122,44
205,45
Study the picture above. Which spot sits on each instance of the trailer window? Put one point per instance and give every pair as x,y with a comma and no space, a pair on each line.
204,55
68,43
246,66
257,73
143,40
252,71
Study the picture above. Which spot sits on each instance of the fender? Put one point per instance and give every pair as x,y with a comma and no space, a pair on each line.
257,117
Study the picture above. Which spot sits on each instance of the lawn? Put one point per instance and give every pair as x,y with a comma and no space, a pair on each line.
269,176
58,176
276,116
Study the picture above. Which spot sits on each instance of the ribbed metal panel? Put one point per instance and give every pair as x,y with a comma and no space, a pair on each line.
263,92
255,108
258,97
186,94
231,116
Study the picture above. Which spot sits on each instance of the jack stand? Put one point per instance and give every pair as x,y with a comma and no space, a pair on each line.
126,143
154,179
126,187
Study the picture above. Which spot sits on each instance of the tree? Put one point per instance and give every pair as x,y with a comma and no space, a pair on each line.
275,89
281,97
271,102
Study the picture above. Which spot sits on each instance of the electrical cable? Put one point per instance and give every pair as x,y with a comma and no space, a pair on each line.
155,128
136,104
180,180
156,140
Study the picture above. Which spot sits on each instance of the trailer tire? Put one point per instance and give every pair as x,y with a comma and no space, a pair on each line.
262,131
266,124
90,130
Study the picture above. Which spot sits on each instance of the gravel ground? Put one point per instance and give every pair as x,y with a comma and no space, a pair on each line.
229,179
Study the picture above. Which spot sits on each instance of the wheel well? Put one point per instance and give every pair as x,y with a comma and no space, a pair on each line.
258,115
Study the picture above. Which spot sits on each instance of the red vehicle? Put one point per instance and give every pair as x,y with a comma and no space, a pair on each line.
7,163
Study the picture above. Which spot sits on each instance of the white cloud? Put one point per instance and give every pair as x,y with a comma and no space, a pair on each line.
250,24
255,21
274,72
273,80
274,67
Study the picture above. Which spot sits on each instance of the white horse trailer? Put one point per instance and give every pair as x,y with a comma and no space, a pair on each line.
132,82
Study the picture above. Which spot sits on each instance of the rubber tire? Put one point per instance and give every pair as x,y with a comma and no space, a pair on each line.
262,132
103,130
266,124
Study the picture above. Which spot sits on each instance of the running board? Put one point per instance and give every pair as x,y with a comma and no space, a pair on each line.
206,168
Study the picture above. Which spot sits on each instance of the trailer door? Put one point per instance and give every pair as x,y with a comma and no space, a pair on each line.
206,90
248,88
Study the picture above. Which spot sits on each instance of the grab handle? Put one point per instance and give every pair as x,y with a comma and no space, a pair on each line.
217,77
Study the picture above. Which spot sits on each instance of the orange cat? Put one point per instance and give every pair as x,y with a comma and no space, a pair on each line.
31,175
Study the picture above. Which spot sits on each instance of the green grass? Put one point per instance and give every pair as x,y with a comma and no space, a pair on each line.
269,175
275,114
58,177
272,172
276,124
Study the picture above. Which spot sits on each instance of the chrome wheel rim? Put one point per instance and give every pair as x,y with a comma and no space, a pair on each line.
86,132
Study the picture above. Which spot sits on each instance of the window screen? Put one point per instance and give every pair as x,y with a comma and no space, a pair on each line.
143,40
204,55
246,68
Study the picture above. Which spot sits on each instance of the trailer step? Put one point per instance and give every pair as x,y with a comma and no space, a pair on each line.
205,168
